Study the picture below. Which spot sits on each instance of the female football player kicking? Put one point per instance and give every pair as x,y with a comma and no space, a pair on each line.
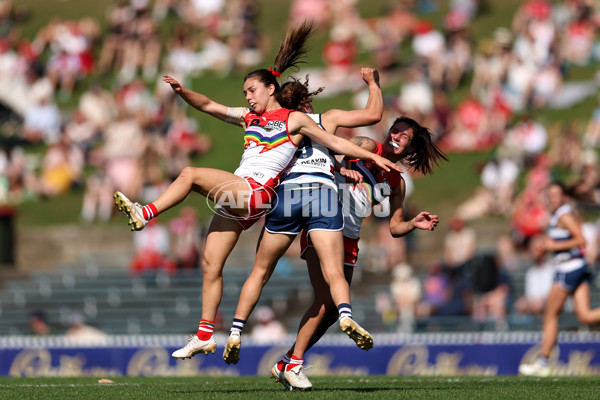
272,135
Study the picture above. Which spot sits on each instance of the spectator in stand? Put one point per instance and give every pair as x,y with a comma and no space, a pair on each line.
443,294
469,127
526,139
547,84
591,250
578,39
339,54
406,292
187,240
112,51
518,84
318,11
586,189
181,58
506,253
529,217
80,333
98,203
62,168
98,106
460,244
183,134
416,94
42,123
457,59
490,65
81,132
152,248
17,180
205,14
268,330
38,321
499,177
538,281
246,42
124,144
429,47
70,44
592,130
491,287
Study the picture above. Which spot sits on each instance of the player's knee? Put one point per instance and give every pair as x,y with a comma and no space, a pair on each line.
210,270
188,174
585,318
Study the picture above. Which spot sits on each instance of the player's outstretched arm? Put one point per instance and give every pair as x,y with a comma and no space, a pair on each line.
369,115
202,102
300,123
398,226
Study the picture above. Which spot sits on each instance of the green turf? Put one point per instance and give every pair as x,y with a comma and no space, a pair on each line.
371,387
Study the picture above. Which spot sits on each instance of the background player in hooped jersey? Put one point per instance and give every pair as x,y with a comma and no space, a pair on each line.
272,135
308,199
571,275
407,142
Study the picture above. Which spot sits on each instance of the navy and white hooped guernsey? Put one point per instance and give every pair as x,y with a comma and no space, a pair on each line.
312,162
564,260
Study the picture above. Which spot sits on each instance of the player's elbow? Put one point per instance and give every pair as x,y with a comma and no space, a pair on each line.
373,118
396,232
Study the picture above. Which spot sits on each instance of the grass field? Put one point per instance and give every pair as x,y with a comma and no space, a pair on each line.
248,388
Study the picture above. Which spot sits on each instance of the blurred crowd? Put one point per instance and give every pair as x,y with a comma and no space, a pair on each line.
133,136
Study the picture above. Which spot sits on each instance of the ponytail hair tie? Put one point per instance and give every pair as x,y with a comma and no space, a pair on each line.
275,73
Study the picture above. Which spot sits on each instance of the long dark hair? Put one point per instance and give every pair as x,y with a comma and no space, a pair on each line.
292,52
423,154
295,95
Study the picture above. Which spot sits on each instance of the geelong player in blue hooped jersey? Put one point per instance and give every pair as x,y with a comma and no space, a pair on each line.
572,275
407,142
308,200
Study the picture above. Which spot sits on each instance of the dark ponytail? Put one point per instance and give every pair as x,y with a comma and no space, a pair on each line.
292,52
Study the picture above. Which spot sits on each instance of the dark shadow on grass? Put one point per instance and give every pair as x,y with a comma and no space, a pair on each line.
357,390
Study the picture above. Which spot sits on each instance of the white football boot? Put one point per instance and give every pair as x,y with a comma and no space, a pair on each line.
195,346
277,375
296,380
536,368
132,210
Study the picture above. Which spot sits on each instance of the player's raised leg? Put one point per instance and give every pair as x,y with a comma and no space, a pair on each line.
222,187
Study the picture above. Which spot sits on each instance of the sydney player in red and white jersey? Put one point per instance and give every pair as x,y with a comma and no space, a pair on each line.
272,134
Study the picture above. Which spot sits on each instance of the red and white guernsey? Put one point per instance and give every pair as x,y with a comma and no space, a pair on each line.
267,146
378,185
